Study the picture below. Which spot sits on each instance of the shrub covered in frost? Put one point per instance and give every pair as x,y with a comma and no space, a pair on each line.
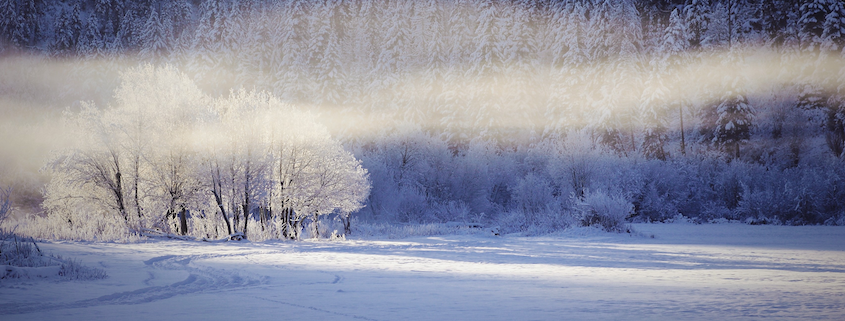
22,258
607,211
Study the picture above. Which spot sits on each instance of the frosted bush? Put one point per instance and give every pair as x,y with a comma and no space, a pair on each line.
609,212
680,219
73,269
21,258
75,225
544,221
533,193
413,207
453,211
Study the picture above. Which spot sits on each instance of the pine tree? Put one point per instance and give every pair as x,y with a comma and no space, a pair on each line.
652,111
206,45
26,27
811,23
821,35
63,35
616,40
8,15
91,43
329,75
75,24
109,14
833,36
674,51
835,113
696,13
734,113
290,71
571,74
154,44
774,20
232,33
128,32
728,24
832,46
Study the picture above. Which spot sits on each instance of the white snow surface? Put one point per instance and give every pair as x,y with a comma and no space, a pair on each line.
686,272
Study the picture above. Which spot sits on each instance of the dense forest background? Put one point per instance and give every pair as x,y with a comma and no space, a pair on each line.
527,115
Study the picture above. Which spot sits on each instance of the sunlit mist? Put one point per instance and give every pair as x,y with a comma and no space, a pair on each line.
508,74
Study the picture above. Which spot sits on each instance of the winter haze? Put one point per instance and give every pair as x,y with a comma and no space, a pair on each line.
382,160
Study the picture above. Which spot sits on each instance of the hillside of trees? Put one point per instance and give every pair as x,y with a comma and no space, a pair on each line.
529,115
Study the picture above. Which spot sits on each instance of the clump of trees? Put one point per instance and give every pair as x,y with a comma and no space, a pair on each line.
167,158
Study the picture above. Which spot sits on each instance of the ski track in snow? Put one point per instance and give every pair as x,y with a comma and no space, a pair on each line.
203,279
686,272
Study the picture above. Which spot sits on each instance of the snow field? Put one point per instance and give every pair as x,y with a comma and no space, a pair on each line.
717,271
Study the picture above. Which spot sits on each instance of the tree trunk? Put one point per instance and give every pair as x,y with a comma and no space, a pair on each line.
246,214
118,194
183,221
736,147
135,183
247,181
284,217
346,219
236,218
316,226
297,226
216,189
289,224
262,217
220,205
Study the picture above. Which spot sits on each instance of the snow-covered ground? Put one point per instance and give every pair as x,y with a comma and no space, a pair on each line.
704,272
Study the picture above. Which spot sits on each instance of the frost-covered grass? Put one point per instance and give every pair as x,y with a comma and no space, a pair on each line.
398,231
22,258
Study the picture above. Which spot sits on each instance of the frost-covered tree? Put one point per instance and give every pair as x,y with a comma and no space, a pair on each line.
292,57
329,72
734,113
774,20
66,30
835,114
653,108
26,29
154,37
206,43
109,14
90,43
89,177
8,16
276,161
696,13
129,31
615,41
154,106
812,23
674,54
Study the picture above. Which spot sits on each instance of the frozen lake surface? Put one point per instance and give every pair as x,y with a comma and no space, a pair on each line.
699,272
